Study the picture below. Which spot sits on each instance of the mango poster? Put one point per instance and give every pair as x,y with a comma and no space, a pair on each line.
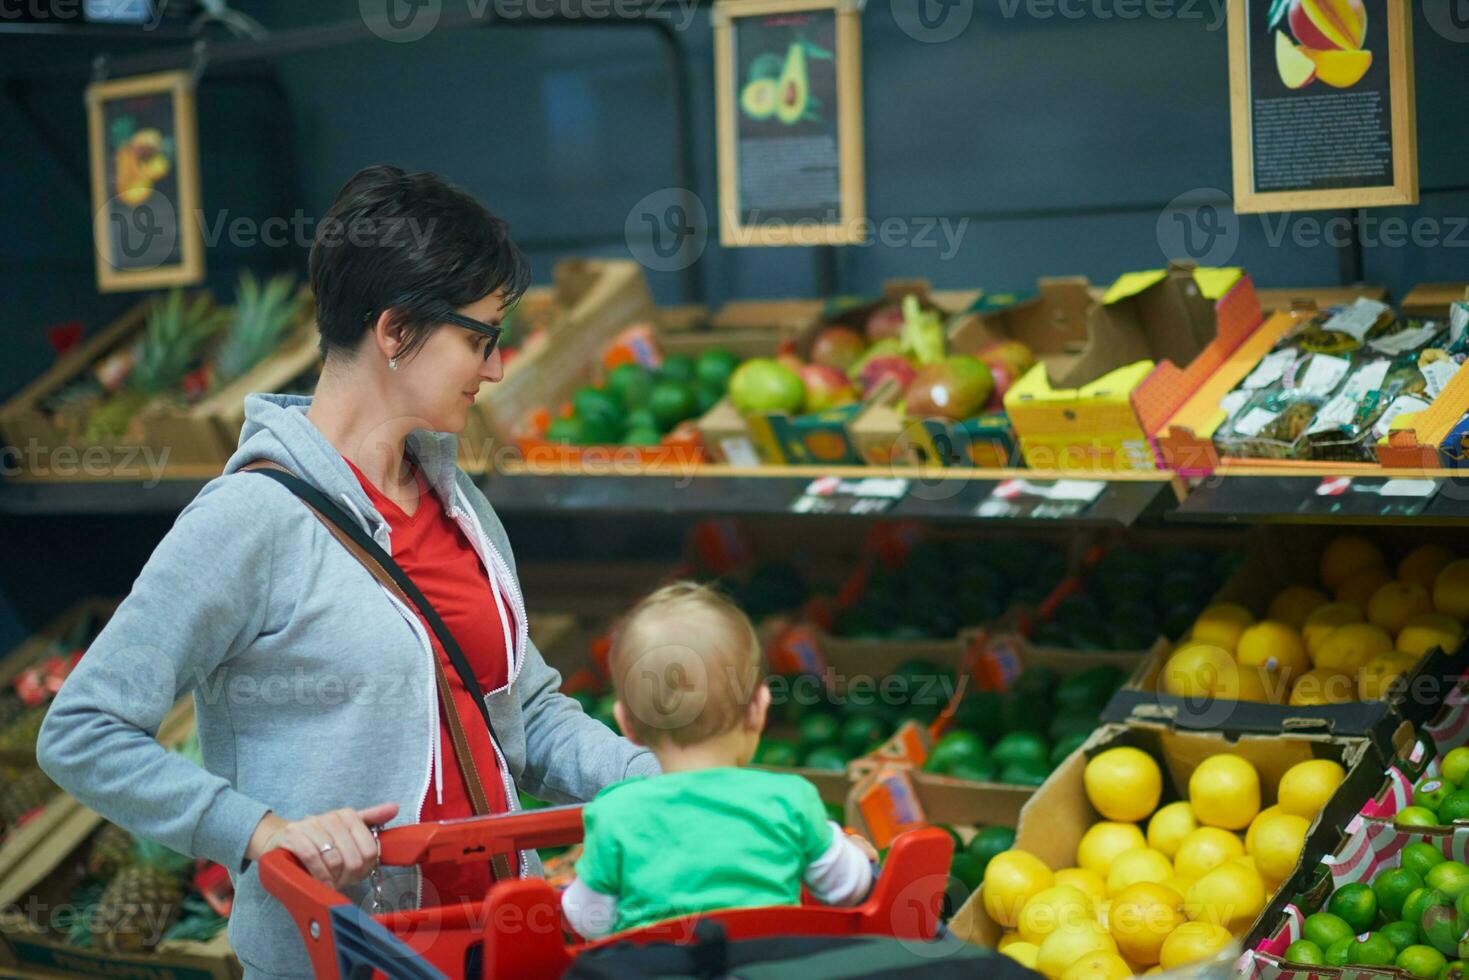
1320,105
787,142
141,173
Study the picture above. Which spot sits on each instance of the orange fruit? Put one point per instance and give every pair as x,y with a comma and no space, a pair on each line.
1423,564
1394,604
1274,647
1294,603
1346,556
1359,589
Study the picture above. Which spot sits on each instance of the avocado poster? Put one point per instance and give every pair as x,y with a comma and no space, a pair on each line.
1323,99
790,118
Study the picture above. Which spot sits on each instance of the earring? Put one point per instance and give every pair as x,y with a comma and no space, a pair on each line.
392,364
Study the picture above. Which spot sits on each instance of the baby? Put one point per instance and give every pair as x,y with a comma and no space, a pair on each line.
707,834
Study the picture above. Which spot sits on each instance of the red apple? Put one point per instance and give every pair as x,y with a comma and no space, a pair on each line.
884,322
826,387
879,369
838,347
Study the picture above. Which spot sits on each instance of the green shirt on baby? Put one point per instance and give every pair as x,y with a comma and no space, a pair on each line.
698,841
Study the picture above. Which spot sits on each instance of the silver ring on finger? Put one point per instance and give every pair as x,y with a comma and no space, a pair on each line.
324,848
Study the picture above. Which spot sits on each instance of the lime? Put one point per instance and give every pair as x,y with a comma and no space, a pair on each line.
1338,952
989,842
600,413
1441,928
1356,905
827,757
1454,807
1400,934
1067,745
631,383
1372,949
567,431
671,403
1325,929
819,729
976,771
1455,765
1429,793
1421,961
1421,857
1026,747
776,752
1305,951
640,418
1025,773
714,366
1454,970
862,733
706,397
1393,888
677,367
967,869
1463,905
639,436
1420,902
953,748
1450,877
1415,816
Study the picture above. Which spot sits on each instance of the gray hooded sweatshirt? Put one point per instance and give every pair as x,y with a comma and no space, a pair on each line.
313,687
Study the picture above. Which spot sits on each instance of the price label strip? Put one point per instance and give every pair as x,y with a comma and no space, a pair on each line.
1044,499
1370,496
833,495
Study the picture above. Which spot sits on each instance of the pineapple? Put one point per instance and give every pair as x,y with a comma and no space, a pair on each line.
141,901
24,793
111,851
262,317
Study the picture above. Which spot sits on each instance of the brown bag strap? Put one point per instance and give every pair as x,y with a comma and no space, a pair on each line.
477,797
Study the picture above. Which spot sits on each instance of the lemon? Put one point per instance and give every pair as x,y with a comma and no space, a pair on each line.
1324,685
1192,942
1423,564
1395,603
1103,910
1070,943
1221,624
1428,630
1204,850
1169,826
1142,917
1277,843
1230,896
1179,886
1124,784
1374,679
1103,842
1010,880
1007,939
1252,684
1089,883
1049,909
1325,619
1451,590
1224,791
1022,953
1138,864
1198,670
1294,603
1306,786
1359,589
1274,647
1099,965
1349,647
1345,557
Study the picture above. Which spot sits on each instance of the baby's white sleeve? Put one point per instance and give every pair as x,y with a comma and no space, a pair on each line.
590,913
842,875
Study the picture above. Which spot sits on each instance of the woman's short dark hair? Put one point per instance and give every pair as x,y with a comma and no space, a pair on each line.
413,243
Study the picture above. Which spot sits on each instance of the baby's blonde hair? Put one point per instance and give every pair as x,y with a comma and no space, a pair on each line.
685,662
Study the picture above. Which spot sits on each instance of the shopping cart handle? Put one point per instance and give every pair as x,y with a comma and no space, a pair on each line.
476,838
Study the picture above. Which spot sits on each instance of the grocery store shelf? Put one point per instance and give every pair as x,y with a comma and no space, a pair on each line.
37,497
1341,495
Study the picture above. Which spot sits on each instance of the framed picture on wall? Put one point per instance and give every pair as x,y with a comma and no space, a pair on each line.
788,84
1321,104
144,152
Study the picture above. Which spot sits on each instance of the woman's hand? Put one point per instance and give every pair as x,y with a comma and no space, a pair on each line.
864,845
336,847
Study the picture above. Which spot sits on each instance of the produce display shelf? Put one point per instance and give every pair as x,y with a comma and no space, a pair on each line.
1281,495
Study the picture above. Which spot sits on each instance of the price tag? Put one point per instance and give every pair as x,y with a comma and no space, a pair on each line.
1048,499
1370,496
833,495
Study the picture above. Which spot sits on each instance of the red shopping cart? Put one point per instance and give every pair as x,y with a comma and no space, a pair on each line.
518,929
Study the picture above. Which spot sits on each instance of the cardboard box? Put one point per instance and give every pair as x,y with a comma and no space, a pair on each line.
891,800
1433,300
1053,821
1153,341
1275,299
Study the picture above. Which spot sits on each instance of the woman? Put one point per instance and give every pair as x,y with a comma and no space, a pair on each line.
315,689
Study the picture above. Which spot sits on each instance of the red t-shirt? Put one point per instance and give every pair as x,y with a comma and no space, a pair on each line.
435,553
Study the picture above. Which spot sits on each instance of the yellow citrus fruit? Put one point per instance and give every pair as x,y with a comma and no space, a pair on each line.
1252,684
1320,623
1374,680
1350,647
1101,844
1138,864
1010,880
1393,605
1278,840
1345,557
1428,630
1231,895
1008,938
1198,670
1179,886
1324,685
1224,791
1192,942
1451,590
1294,603
1022,953
1204,850
1269,811
1221,624
1049,909
1306,786
1274,647
1089,883
1169,826
1359,589
1123,784
1070,943
1103,910
1099,965
1423,564
1142,917
1246,861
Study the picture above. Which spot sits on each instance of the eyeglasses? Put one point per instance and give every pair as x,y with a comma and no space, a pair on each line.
446,315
